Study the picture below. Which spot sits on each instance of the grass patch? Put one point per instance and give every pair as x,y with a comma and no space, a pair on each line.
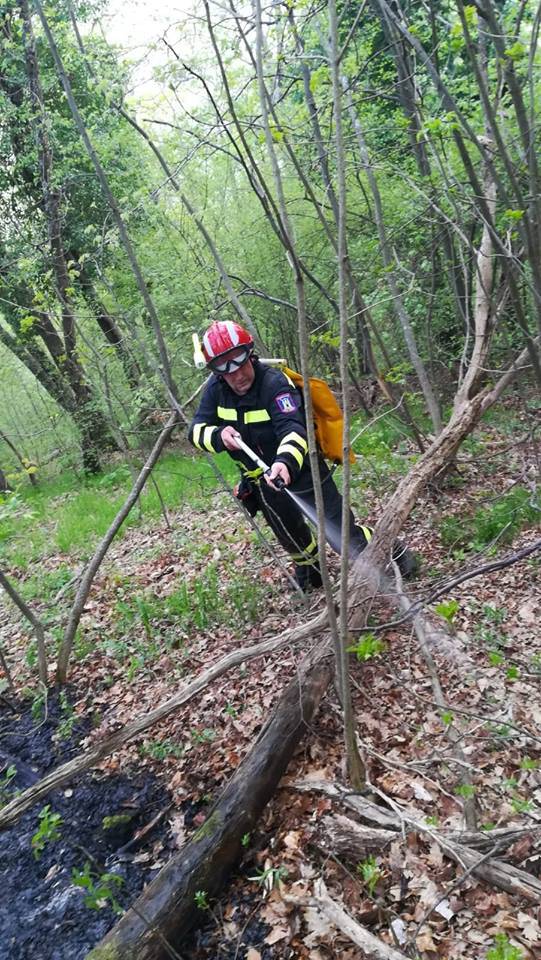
70,515
45,584
501,519
145,626
200,602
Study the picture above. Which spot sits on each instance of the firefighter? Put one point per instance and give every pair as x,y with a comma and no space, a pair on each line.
262,405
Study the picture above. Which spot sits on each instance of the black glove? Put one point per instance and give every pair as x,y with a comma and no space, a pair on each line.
245,492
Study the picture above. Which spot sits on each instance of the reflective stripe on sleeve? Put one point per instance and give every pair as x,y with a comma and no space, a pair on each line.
256,416
289,448
207,438
203,442
227,413
197,434
298,439
291,444
367,532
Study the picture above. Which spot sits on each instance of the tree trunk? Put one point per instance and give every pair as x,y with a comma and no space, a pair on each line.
95,434
166,910
113,335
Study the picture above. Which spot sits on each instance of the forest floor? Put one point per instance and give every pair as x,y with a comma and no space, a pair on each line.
169,602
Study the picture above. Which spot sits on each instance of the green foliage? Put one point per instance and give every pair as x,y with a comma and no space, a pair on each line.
270,877
13,512
528,763
201,900
503,949
161,749
45,584
69,718
465,790
370,873
369,646
100,888
516,52
39,702
116,820
448,610
47,832
501,520
203,736
201,602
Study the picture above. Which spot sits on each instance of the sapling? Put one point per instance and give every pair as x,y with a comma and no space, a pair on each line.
99,887
47,832
504,950
370,873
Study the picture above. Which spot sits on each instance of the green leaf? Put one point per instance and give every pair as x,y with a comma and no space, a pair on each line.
26,323
368,646
516,52
514,214
448,610
465,790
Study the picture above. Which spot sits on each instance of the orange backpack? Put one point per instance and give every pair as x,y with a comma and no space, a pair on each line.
328,417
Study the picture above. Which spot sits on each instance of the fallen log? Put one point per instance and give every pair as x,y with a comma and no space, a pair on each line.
349,837
166,910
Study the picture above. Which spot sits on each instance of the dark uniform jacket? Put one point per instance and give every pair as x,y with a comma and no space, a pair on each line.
270,419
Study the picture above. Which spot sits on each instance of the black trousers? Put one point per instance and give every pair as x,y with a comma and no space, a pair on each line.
289,524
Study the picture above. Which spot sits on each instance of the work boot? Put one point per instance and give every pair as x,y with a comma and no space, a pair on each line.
308,576
407,560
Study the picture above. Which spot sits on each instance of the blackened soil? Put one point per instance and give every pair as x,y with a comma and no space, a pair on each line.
43,914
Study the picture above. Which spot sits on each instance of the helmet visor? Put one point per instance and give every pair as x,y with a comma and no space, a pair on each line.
229,362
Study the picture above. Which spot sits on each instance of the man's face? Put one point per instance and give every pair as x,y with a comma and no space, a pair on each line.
242,379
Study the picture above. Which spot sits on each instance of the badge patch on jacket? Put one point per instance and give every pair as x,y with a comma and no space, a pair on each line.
286,403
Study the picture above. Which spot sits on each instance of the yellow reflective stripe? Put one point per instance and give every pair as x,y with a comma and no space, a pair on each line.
367,532
227,413
203,442
289,448
296,437
207,438
256,416
307,557
197,435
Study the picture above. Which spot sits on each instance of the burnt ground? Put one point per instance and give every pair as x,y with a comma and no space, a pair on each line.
44,915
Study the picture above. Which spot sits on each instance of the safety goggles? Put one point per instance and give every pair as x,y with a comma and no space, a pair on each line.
224,365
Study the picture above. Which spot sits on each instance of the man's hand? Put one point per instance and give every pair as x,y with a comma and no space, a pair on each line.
229,436
278,469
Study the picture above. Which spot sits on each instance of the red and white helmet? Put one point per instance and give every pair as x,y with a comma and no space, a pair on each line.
226,337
